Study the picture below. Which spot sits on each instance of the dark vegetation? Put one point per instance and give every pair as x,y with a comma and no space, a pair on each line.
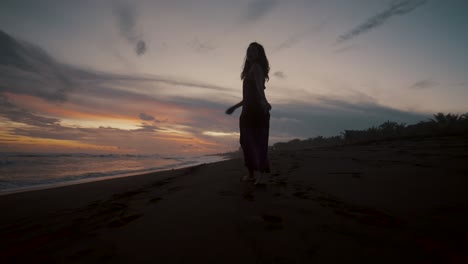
440,125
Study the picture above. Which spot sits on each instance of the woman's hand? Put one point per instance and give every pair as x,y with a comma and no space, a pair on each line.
230,110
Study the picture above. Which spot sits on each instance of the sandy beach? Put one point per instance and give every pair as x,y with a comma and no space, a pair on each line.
399,201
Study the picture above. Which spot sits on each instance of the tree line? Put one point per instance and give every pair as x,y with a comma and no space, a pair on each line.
439,125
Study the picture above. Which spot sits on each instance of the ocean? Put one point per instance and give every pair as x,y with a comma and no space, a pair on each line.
28,171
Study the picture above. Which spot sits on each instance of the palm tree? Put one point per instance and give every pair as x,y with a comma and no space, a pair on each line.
452,118
464,116
439,118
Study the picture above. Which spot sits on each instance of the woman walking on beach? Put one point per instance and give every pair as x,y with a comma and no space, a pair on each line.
254,121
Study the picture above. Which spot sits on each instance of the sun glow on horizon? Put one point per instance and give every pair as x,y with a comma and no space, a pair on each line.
108,123
221,134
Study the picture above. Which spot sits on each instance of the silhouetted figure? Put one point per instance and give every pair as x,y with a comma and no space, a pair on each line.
254,121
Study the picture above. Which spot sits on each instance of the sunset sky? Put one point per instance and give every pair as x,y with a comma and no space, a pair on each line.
157,76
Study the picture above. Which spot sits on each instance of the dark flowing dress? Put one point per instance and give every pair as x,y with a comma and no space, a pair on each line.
254,124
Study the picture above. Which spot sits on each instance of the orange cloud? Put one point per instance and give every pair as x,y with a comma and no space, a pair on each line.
106,109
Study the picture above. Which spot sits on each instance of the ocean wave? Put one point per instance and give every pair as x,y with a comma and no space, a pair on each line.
73,155
11,184
25,170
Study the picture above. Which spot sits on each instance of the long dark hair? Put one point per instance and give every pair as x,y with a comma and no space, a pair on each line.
262,60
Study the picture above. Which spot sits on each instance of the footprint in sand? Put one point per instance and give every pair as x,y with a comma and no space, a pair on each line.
79,255
106,258
249,196
124,220
226,193
364,215
127,194
175,188
282,182
109,208
356,175
107,213
155,199
301,195
302,190
272,222
18,230
162,182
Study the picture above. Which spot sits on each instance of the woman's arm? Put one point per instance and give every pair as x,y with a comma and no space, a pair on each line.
231,109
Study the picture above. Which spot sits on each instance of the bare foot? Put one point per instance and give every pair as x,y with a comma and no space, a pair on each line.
258,181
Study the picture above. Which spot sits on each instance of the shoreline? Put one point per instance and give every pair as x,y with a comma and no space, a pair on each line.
46,186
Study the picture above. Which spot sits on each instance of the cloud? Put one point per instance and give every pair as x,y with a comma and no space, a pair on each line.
126,16
298,37
396,8
24,66
146,128
280,74
258,8
423,84
27,69
347,48
140,47
199,46
146,117
17,114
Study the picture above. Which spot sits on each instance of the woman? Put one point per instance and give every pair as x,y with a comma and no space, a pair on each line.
254,121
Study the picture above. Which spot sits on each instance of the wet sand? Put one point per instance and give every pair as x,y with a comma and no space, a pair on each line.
400,201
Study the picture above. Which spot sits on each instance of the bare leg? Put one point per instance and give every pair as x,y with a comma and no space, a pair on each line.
259,179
